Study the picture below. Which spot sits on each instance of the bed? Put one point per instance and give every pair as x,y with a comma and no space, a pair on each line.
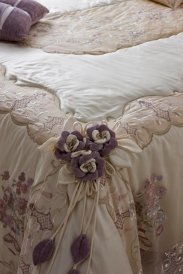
112,204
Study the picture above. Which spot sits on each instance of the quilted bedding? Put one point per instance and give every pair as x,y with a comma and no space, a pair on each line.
126,220
106,28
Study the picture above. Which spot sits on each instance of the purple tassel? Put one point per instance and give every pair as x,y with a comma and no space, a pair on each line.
43,251
73,271
80,249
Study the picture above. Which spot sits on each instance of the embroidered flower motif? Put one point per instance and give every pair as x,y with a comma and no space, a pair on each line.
88,166
68,143
2,206
13,204
101,139
21,205
8,195
150,215
5,176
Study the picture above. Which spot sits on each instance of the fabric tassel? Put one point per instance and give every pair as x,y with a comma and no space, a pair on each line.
43,251
80,249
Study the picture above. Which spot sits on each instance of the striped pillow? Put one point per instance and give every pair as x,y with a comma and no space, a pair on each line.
170,3
14,23
33,8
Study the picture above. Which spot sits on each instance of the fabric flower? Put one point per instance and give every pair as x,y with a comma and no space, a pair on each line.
67,144
88,167
101,139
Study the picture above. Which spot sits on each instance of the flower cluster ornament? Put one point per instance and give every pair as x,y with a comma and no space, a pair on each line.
86,153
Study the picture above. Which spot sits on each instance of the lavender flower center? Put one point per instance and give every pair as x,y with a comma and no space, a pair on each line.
101,137
71,143
89,166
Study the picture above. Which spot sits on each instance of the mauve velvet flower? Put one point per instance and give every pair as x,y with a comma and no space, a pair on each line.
101,139
88,167
68,143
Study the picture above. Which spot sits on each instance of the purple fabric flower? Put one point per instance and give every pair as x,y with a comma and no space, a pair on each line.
89,166
101,139
67,144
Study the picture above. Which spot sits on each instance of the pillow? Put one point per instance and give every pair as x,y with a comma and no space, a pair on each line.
14,23
33,8
170,3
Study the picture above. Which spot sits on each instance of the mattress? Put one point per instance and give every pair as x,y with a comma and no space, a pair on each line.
127,219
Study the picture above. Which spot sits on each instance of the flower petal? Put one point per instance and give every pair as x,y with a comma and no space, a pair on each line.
80,249
108,147
43,251
78,135
90,130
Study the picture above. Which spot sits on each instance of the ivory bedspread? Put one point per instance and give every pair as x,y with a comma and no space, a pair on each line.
107,28
139,203
135,207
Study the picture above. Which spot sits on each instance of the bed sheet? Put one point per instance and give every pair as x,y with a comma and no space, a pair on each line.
71,5
83,82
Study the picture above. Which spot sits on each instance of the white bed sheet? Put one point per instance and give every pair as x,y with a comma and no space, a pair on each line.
71,5
98,87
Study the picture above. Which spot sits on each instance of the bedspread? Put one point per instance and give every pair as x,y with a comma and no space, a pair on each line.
106,29
137,216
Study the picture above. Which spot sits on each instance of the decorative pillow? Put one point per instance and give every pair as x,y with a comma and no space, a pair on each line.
170,3
33,8
14,23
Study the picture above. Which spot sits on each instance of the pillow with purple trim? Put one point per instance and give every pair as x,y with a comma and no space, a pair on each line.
33,8
14,23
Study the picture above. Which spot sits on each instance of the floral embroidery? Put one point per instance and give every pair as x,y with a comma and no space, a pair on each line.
43,219
169,262
122,216
150,215
13,205
172,261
